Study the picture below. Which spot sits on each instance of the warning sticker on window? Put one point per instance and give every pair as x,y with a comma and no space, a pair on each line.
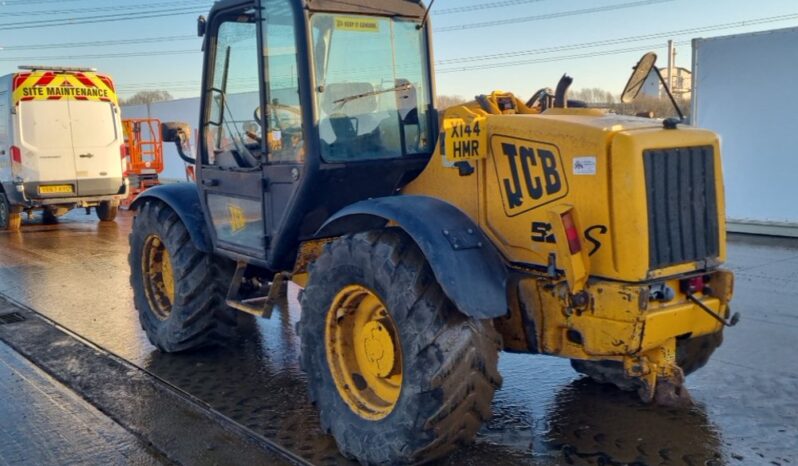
584,165
349,23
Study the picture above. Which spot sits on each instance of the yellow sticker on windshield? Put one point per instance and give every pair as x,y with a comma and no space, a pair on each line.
350,23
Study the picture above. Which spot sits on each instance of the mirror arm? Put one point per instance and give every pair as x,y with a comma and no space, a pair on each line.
179,144
670,94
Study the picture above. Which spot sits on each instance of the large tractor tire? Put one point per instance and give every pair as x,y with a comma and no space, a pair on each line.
10,217
399,375
178,290
106,211
691,354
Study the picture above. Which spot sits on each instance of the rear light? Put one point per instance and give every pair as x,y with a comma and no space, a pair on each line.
571,233
123,150
16,154
693,285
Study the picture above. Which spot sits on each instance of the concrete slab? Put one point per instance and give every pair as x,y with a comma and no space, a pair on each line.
45,423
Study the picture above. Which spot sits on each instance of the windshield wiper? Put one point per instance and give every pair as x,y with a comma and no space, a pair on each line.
345,100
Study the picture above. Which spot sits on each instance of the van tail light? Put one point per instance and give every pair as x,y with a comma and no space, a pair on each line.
125,160
16,154
574,244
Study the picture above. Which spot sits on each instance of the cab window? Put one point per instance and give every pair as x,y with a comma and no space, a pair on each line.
284,111
372,87
231,130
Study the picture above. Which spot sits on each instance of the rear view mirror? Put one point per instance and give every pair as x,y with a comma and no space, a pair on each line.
170,131
201,26
638,78
179,133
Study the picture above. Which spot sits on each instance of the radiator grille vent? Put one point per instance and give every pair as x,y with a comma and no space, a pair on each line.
682,205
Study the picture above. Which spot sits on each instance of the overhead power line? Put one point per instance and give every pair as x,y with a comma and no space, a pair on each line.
99,18
452,61
599,53
78,11
103,55
483,6
95,44
33,2
560,14
621,40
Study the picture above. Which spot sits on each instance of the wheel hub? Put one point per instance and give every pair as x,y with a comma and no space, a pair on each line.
378,347
158,276
365,360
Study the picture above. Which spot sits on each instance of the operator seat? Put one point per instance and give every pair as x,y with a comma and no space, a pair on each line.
341,124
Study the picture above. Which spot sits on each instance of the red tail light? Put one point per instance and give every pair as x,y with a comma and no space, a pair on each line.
16,154
123,150
571,233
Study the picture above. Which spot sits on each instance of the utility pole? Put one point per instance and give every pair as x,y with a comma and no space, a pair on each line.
671,64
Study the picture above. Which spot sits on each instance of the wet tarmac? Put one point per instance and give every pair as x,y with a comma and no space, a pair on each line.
746,408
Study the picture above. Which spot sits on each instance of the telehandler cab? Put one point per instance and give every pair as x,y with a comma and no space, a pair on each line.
426,243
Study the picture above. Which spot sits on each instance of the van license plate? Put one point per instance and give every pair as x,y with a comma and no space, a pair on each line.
55,189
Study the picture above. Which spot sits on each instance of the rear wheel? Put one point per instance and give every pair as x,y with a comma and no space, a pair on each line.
10,216
106,211
179,291
693,354
398,373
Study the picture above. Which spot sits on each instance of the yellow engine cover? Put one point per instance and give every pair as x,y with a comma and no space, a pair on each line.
528,165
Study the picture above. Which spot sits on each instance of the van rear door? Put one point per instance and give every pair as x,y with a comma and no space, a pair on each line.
96,139
46,146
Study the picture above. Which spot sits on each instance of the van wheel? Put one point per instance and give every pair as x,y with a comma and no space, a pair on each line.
178,290
398,374
10,216
49,217
106,211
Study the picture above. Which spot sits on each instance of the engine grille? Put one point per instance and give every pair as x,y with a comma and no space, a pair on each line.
682,205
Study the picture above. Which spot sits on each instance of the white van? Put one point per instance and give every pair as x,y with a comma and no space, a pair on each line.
61,144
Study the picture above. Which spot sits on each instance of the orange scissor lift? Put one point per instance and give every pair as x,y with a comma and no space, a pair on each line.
144,157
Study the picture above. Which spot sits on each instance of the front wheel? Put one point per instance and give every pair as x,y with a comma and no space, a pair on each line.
106,211
178,290
398,373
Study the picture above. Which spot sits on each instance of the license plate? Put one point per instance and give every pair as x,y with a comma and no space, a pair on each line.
55,189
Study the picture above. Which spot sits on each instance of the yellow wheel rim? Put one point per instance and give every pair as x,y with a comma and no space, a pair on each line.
363,352
159,282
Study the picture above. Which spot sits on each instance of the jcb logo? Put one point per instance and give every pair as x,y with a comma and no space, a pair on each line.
529,174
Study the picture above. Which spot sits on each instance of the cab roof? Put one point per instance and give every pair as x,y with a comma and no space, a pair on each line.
414,9
404,8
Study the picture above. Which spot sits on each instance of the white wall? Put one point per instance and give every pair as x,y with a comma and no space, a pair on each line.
745,89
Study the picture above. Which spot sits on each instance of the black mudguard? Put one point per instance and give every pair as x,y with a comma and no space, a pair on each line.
184,199
466,264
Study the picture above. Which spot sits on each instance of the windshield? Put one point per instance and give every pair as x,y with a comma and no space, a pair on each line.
373,91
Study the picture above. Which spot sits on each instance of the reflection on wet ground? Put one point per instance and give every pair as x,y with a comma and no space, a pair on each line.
76,273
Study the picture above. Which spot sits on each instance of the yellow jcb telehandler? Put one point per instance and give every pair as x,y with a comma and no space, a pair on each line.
426,243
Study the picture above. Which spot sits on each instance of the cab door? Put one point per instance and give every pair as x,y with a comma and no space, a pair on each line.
232,151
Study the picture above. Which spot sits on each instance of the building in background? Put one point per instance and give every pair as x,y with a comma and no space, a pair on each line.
744,89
